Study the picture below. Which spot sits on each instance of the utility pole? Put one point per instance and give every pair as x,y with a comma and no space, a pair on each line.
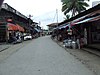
30,18
57,22
57,14
39,23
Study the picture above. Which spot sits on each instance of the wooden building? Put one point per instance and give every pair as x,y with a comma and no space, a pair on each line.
86,26
12,21
51,27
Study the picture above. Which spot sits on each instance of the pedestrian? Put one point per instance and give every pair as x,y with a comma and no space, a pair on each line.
78,41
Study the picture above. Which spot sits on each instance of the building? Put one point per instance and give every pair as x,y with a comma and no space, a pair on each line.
12,22
51,27
86,27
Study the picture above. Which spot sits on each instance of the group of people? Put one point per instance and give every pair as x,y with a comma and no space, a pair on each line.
62,35
15,37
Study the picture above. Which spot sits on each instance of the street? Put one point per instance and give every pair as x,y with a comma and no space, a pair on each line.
42,56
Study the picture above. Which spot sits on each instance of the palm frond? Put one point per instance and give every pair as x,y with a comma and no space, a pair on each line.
74,6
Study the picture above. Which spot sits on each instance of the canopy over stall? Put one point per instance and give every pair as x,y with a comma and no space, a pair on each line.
15,27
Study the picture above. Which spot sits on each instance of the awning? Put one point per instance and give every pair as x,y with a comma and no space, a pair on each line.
20,28
87,20
15,27
54,28
12,27
63,26
37,30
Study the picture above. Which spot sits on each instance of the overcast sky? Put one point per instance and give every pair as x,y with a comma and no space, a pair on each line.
41,10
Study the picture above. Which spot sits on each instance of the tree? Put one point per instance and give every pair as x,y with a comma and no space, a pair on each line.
67,16
74,6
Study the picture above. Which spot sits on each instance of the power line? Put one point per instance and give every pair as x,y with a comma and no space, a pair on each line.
54,17
57,14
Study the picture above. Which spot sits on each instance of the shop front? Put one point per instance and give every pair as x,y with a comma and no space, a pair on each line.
3,31
95,32
9,32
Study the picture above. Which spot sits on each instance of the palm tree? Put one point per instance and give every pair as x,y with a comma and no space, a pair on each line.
75,6
67,16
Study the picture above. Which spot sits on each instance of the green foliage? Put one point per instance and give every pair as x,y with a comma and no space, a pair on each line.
74,6
67,17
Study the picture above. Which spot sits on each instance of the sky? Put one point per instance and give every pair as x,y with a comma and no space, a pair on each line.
42,11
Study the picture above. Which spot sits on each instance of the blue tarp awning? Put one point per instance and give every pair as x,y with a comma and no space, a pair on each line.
37,30
88,20
63,26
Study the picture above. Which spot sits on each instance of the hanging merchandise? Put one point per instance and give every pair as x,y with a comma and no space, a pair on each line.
69,31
